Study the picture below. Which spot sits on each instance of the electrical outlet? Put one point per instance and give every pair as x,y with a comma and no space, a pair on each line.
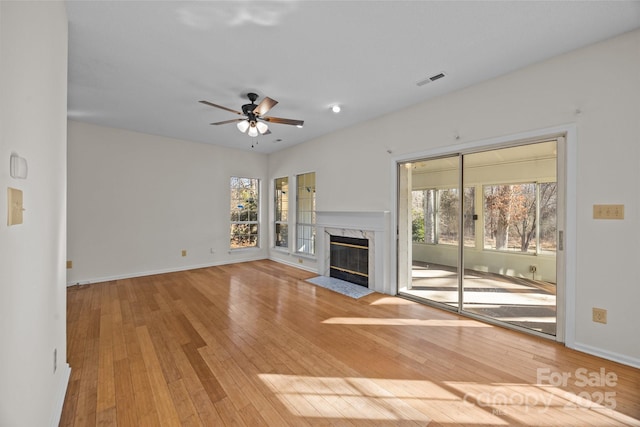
300,261
533,269
599,315
184,252
69,264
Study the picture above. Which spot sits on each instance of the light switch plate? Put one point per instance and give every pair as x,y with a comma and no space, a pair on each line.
608,211
14,206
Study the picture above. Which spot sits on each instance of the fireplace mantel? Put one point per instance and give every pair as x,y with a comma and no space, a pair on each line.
373,226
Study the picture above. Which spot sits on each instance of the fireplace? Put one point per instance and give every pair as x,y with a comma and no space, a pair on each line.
349,259
368,229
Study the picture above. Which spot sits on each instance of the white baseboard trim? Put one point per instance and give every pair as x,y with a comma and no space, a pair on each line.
161,271
61,392
609,355
295,265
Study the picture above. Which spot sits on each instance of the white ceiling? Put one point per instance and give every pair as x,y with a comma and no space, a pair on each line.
144,65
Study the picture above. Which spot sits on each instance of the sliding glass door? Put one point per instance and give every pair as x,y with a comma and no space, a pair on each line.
480,233
435,212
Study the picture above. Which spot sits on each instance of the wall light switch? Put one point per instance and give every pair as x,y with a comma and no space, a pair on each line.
608,211
14,206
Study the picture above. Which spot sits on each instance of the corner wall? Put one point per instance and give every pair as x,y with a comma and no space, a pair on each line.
597,90
137,200
33,110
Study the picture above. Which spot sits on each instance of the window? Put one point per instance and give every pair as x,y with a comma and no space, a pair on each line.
520,217
435,216
244,212
306,213
281,215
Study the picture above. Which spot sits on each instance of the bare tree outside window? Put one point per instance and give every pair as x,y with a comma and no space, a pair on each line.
520,217
244,212
435,216
448,207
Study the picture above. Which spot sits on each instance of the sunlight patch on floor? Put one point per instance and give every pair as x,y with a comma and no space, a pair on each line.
367,399
393,301
495,404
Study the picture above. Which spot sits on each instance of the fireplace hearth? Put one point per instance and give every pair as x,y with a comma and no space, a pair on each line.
369,229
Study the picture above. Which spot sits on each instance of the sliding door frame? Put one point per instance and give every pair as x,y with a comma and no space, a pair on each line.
566,258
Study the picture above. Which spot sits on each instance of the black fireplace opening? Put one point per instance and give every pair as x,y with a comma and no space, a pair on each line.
349,259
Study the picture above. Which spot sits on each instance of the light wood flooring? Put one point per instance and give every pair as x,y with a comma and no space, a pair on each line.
253,344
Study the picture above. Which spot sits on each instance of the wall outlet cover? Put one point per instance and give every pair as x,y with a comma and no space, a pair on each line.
599,315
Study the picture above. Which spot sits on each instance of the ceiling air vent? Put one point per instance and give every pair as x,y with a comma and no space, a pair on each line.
430,79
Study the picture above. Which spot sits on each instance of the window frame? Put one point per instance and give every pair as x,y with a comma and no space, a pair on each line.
305,236
249,222
281,211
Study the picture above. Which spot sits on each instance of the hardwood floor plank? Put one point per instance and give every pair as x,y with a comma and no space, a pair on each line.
184,406
146,410
161,394
254,344
126,411
107,417
229,414
105,384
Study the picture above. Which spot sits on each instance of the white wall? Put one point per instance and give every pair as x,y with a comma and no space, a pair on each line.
137,200
33,93
355,171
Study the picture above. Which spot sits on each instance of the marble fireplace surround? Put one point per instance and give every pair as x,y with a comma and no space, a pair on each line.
373,226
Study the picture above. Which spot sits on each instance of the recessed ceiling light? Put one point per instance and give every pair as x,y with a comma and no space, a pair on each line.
299,126
336,108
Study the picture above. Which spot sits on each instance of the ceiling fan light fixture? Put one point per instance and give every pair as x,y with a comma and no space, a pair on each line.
253,131
262,127
255,121
243,126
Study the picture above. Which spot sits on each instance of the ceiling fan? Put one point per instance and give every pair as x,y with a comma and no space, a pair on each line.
254,121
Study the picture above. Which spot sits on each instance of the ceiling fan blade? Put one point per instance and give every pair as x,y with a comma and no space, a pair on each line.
221,107
283,121
265,105
227,121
